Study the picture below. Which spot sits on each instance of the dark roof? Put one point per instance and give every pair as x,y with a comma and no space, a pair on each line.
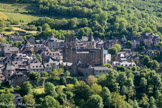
101,68
90,37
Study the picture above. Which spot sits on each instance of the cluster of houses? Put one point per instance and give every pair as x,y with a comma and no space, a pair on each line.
83,56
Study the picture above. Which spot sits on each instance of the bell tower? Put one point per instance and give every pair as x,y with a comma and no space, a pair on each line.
91,44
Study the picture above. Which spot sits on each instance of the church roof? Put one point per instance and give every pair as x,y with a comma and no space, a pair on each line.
91,37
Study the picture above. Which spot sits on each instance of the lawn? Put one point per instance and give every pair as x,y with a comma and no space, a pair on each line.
18,12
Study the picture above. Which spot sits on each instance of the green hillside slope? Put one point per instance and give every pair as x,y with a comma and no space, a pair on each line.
106,18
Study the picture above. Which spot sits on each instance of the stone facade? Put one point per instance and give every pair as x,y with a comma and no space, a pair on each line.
90,56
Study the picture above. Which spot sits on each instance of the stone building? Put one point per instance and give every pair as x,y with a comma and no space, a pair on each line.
90,56
17,79
18,99
54,43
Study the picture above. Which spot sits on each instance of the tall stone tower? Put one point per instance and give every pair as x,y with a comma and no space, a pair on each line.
69,48
91,44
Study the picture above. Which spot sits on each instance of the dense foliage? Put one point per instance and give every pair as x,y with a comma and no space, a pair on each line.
107,19
127,89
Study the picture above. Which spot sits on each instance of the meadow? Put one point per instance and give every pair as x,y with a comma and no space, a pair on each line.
18,12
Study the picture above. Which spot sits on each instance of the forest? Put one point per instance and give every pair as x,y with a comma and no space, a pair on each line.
131,88
106,19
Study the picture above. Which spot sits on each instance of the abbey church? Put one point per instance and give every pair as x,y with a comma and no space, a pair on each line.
83,52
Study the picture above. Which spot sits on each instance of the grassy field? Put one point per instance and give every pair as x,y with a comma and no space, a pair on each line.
18,12
3,16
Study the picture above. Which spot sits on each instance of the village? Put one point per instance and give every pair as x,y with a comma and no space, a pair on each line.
82,57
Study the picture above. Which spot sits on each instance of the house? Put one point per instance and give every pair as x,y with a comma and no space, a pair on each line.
2,77
20,64
53,63
107,57
15,38
36,67
40,47
150,39
99,43
18,99
31,40
17,79
9,71
124,63
57,55
132,57
7,60
156,40
100,70
54,43
124,40
109,43
150,53
21,57
89,70
2,60
27,48
47,67
9,51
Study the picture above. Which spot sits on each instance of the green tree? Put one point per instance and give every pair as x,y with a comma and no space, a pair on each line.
33,75
6,99
152,102
144,102
26,88
122,78
118,100
121,68
117,46
29,99
44,74
124,90
153,64
94,101
54,73
146,60
106,96
39,28
129,44
96,89
91,80
50,89
143,83
46,27
50,102
159,101
63,81
113,51
135,104
81,88
107,65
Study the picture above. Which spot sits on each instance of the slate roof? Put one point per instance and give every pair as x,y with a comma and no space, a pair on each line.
101,68
90,37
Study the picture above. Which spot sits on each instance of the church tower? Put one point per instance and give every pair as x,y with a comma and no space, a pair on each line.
91,44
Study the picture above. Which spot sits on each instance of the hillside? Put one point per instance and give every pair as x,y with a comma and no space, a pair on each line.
106,19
